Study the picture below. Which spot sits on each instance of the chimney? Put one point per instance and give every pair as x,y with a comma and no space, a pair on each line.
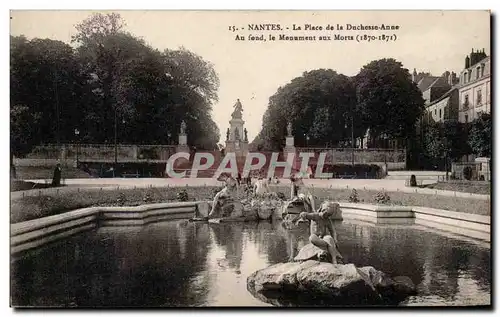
467,62
414,75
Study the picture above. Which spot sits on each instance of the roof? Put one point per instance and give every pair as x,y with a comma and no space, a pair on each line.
447,94
484,60
432,81
424,83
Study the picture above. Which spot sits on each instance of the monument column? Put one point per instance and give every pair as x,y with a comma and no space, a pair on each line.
236,136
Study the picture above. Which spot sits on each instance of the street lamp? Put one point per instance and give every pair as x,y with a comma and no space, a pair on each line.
77,133
116,140
346,116
116,144
445,145
307,139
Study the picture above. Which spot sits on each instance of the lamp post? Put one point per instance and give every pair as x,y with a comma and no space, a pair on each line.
445,155
116,144
352,139
77,133
116,140
346,116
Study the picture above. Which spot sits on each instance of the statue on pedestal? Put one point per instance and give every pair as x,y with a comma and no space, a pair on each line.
227,134
289,128
183,127
246,135
238,110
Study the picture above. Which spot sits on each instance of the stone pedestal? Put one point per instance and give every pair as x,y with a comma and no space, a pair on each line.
290,141
182,146
182,139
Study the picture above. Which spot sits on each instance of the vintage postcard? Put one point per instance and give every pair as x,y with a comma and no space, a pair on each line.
250,159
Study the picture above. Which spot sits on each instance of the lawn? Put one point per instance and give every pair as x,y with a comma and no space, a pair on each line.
483,188
51,203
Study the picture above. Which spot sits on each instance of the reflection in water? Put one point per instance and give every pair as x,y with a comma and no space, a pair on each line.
197,264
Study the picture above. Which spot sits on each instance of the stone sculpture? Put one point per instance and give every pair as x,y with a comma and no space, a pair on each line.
322,231
289,129
225,202
238,110
183,127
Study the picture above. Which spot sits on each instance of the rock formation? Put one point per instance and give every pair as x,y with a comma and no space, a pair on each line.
314,283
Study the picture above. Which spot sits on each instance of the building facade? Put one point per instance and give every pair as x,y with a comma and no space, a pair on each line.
475,87
444,108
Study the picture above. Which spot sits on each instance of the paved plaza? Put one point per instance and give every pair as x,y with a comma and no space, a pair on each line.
390,185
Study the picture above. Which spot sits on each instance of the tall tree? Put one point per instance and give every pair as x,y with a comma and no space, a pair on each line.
23,130
316,103
446,139
480,135
47,78
390,102
146,92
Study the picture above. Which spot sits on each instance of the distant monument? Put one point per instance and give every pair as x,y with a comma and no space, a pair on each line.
289,141
234,141
238,110
182,146
183,127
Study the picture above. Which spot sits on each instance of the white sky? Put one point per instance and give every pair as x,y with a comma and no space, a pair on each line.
433,41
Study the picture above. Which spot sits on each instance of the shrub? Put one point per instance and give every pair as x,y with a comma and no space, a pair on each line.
354,197
121,199
367,171
467,173
182,195
281,196
216,190
382,198
413,181
147,197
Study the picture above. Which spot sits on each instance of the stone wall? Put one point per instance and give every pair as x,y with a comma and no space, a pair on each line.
102,152
361,156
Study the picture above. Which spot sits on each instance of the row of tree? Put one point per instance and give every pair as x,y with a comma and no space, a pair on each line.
329,109
453,140
108,82
323,105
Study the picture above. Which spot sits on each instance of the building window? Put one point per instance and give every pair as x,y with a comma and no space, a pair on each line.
465,77
440,115
466,118
435,111
466,101
470,75
482,70
479,98
478,72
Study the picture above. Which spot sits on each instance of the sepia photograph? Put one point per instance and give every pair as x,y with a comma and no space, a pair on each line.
189,158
